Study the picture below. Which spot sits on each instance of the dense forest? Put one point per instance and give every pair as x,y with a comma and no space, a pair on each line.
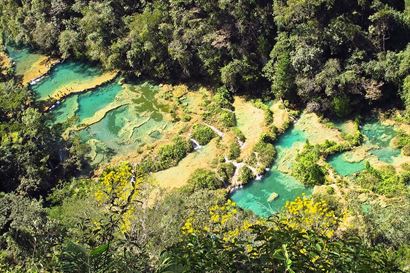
337,58
329,55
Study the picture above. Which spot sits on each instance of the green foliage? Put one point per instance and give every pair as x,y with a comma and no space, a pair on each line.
384,181
169,155
272,246
28,236
266,153
279,69
157,39
245,175
204,179
202,133
306,167
318,59
239,134
341,106
323,56
218,110
402,141
228,119
223,98
234,150
225,171
33,156
406,93
238,74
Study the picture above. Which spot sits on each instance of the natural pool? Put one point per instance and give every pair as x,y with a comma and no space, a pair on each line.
109,121
65,75
255,195
125,121
127,127
378,137
24,59
87,104
344,167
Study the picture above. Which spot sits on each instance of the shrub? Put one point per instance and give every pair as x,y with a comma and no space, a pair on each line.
238,133
266,153
341,106
402,141
186,117
169,155
223,98
234,151
306,167
226,171
384,181
406,150
204,179
228,119
245,175
203,134
268,137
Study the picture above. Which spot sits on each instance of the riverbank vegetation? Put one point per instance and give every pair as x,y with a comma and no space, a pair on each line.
236,77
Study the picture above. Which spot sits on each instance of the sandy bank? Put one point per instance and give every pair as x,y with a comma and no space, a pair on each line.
38,69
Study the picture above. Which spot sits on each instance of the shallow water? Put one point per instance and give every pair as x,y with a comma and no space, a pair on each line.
255,195
66,109
85,105
125,129
69,73
91,102
344,167
376,134
23,58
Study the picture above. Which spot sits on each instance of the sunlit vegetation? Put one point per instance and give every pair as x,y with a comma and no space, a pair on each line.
232,76
203,134
307,168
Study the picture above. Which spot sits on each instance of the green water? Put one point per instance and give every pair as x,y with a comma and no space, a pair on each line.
66,110
378,134
23,59
86,104
67,73
128,127
254,196
344,167
122,129
91,102
375,134
146,102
